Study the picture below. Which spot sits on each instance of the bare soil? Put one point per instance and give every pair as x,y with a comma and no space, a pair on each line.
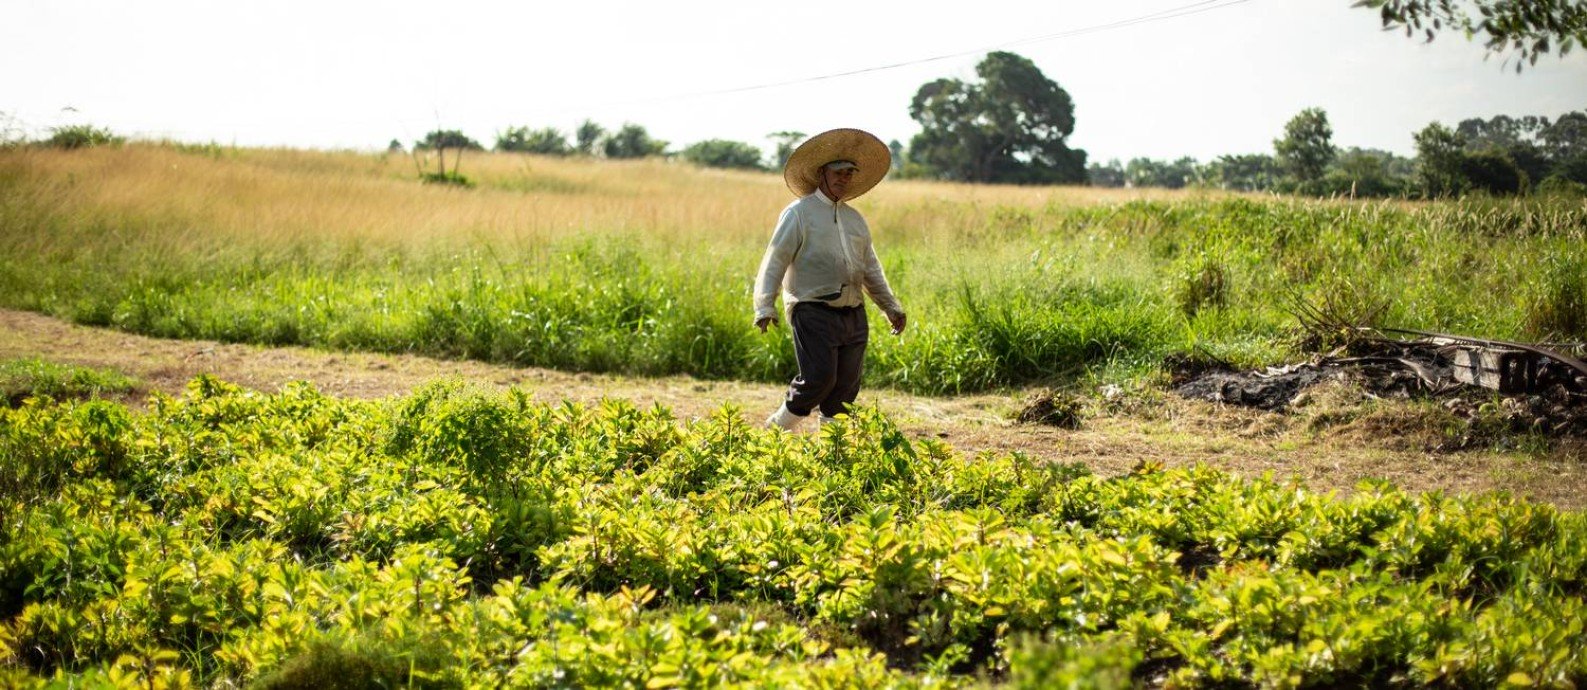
1330,439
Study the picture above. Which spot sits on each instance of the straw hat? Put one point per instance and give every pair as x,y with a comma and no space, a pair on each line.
802,172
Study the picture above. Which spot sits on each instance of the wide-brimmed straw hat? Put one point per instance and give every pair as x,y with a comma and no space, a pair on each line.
802,172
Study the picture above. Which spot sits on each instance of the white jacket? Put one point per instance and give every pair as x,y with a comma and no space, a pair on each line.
821,252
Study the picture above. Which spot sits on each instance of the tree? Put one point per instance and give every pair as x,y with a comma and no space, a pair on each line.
785,140
1439,151
1573,170
721,153
1566,138
1530,158
1501,131
1145,172
1012,126
632,141
442,139
439,141
1529,27
1110,174
1492,171
1367,173
587,136
547,141
394,147
1518,138
1252,172
1306,148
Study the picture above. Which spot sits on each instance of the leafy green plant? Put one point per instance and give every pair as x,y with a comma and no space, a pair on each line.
464,538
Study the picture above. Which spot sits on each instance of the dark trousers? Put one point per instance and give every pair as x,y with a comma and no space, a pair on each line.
829,343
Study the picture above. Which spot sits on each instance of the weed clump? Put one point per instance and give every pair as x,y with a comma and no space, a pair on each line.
1204,284
454,179
1053,408
1557,308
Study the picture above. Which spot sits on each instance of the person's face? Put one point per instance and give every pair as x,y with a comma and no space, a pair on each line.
835,183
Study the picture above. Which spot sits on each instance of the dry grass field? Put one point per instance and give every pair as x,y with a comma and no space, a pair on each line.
272,198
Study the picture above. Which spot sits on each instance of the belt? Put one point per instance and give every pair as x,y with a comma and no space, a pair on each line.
828,307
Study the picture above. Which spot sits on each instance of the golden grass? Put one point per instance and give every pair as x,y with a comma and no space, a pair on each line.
277,197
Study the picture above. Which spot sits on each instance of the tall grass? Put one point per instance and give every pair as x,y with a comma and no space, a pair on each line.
645,266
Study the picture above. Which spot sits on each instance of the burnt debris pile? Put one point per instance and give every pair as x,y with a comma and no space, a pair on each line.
1542,387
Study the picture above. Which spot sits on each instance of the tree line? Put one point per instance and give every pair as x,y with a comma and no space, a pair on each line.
1501,155
592,139
1013,123
1011,126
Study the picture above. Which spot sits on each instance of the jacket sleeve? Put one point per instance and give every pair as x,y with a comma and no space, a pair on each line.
785,241
876,284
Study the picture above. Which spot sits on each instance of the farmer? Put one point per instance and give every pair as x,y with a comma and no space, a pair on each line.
820,258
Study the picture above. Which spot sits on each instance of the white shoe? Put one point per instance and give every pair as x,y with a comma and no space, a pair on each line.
783,419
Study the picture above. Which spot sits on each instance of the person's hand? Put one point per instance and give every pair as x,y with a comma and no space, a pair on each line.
897,320
765,321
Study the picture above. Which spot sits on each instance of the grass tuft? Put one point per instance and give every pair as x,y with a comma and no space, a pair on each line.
1557,309
21,379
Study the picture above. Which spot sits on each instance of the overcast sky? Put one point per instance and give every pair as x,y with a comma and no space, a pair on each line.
1191,78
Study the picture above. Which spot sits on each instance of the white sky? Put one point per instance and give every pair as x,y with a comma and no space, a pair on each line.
328,74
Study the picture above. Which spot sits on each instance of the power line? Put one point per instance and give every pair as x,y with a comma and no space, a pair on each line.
1171,13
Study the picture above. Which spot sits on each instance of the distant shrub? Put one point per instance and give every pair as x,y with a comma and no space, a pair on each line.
548,141
721,153
632,141
82,136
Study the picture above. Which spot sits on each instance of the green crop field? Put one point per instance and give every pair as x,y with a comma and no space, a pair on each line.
645,267
458,536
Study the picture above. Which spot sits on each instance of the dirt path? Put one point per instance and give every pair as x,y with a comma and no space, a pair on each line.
1174,432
